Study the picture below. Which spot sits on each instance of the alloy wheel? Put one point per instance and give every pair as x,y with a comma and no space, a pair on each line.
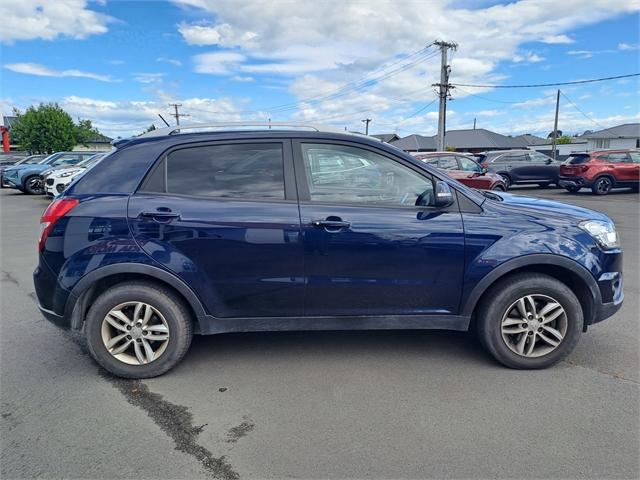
506,180
34,185
604,185
135,333
534,325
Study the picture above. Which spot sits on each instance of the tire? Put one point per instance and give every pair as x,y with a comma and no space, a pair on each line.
506,179
602,185
169,313
33,185
498,303
499,188
572,189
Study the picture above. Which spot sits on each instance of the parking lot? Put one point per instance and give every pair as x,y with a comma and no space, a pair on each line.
317,405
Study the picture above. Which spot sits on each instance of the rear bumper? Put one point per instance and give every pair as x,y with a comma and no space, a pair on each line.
54,318
572,182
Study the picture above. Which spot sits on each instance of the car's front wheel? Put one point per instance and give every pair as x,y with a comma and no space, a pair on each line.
529,321
138,329
33,185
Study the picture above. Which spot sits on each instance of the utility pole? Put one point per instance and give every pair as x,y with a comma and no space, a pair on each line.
474,123
555,128
177,114
443,89
366,128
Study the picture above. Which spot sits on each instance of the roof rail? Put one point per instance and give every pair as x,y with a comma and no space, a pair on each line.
159,132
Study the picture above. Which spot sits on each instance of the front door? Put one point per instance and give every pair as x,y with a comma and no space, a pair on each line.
368,249
224,217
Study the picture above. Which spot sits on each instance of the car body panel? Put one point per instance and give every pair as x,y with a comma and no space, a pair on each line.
522,166
261,265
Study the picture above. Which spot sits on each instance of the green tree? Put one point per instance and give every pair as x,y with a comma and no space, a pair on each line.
563,140
47,128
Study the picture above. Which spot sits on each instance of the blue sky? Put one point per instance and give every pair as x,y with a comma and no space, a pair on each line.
120,63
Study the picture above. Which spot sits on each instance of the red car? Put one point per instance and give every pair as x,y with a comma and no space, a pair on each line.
601,170
464,169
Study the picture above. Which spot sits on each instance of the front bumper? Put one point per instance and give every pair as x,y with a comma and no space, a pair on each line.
612,294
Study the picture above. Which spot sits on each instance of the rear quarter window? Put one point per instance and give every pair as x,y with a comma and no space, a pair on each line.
577,159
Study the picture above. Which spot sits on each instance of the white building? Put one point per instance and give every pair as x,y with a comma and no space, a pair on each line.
619,137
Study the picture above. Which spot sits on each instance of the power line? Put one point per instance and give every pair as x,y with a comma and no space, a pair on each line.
574,82
583,114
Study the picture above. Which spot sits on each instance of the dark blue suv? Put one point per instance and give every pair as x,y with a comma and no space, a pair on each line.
176,233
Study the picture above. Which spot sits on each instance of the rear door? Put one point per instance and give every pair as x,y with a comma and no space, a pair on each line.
224,217
543,168
368,249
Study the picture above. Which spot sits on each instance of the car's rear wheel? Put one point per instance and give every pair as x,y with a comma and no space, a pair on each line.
499,188
506,179
529,321
572,189
602,186
138,329
33,185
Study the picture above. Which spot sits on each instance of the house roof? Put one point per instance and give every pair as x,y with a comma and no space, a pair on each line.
628,130
415,142
99,138
7,120
532,139
481,138
386,137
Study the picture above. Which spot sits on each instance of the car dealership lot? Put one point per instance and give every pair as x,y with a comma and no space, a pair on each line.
311,405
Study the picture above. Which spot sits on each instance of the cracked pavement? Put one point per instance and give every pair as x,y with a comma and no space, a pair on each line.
316,405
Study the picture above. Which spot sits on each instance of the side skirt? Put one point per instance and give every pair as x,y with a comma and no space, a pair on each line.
211,325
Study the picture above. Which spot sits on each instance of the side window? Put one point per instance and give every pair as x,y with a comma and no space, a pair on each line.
448,162
538,157
468,165
635,157
227,171
515,158
616,158
343,174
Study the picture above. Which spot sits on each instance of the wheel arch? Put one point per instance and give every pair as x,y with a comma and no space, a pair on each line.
568,271
91,285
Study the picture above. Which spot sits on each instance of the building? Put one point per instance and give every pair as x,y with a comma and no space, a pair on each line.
621,136
563,150
530,139
416,143
472,140
99,143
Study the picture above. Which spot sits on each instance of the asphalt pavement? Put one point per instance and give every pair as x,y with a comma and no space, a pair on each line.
316,405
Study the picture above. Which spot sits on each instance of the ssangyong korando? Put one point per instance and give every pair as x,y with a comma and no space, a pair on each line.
182,232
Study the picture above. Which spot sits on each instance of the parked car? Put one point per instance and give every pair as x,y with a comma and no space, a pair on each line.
57,179
21,160
26,177
601,171
177,233
521,167
464,169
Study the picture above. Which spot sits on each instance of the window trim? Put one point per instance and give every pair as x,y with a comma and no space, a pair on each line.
290,190
303,187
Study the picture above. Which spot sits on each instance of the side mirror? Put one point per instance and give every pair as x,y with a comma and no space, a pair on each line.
444,195
484,170
548,161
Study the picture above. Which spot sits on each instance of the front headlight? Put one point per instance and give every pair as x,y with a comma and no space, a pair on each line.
603,232
68,174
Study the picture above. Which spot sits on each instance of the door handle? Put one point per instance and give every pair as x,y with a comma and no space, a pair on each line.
160,216
331,224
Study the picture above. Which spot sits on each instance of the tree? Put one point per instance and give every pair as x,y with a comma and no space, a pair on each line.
559,134
48,128
563,140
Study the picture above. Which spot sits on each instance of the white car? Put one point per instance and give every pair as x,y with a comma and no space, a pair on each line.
57,180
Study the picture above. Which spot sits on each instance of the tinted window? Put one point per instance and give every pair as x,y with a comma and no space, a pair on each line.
66,160
577,159
616,158
229,171
343,174
635,157
520,157
448,163
468,165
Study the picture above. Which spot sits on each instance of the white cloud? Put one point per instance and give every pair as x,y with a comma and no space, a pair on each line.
33,19
240,78
172,61
148,78
556,39
490,113
223,34
536,102
217,63
628,46
527,57
42,71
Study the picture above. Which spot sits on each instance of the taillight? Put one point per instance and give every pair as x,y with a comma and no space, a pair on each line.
54,212
584,168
